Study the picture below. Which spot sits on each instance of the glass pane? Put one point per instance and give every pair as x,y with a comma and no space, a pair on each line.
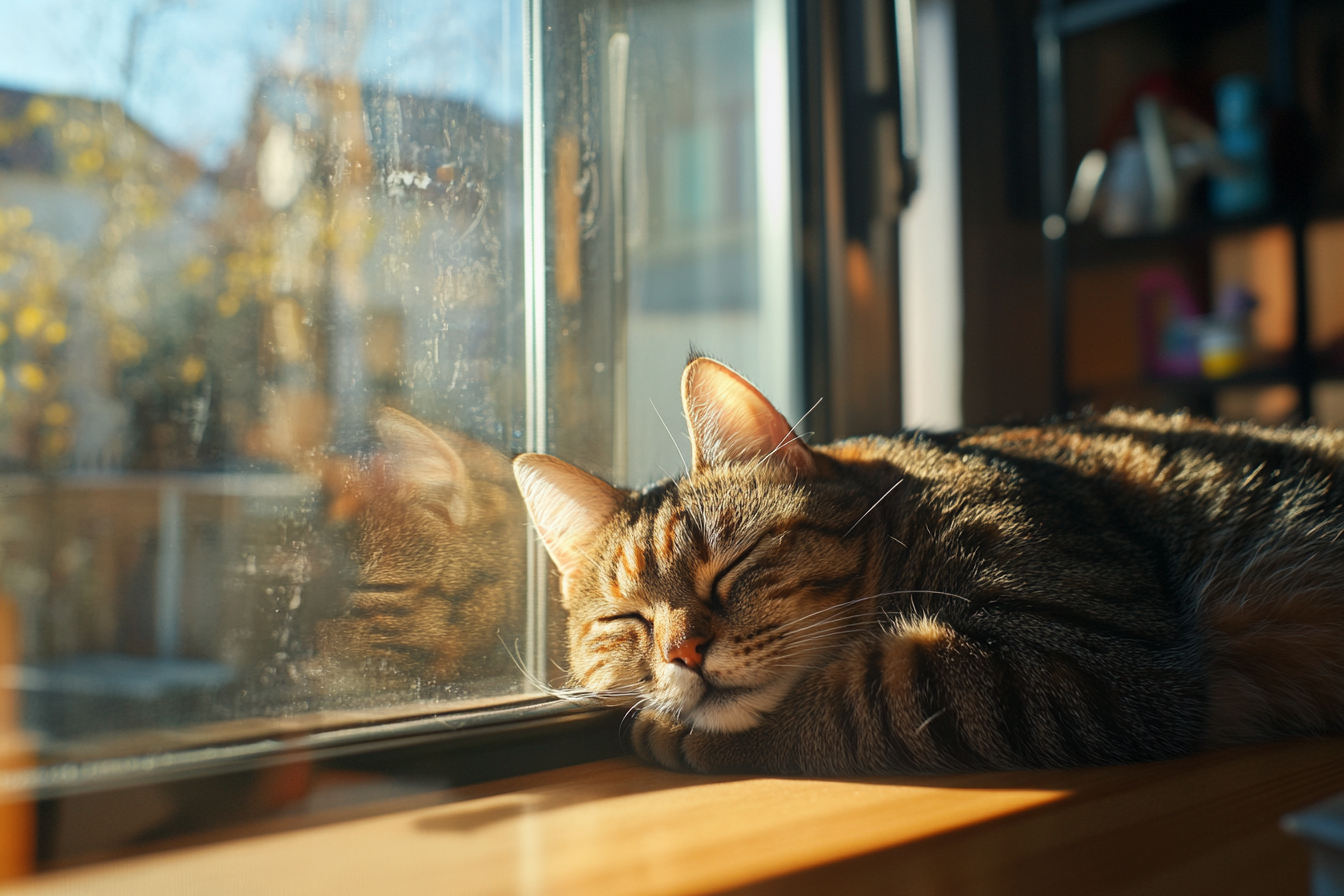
672,218
669,225
234,235
708,205
231,234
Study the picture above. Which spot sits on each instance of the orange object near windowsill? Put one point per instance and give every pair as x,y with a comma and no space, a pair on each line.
17,821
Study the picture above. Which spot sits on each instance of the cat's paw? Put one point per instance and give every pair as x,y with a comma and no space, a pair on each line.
665,740
658,737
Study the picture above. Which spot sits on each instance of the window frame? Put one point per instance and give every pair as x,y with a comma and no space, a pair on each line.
830,120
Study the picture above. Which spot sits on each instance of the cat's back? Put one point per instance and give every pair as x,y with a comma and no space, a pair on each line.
1245,524
1147,446
1177,462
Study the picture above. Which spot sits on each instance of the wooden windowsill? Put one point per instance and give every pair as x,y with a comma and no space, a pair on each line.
1208,823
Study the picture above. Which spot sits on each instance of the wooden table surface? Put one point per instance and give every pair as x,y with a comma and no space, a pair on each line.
1206,824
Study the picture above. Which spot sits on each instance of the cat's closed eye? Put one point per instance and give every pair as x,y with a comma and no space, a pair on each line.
630,618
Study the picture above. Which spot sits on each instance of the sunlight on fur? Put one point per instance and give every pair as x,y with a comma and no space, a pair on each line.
1112,589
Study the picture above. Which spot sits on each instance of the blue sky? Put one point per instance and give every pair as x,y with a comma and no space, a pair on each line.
186,70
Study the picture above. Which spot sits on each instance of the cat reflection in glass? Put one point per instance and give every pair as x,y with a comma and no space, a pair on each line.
440,564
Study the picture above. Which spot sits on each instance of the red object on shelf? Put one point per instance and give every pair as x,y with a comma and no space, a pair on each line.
1169,322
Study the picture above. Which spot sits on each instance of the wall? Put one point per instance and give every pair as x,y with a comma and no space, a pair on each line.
1006,347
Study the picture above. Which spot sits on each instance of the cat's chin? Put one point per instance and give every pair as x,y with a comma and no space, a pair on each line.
723,717
726,710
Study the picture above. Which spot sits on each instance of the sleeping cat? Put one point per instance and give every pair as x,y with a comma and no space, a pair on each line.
440,562
1126,587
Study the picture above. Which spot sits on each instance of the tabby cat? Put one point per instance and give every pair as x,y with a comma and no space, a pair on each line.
1106,589
440,560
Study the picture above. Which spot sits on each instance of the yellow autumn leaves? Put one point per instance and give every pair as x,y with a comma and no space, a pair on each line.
30,269
33,320
101,155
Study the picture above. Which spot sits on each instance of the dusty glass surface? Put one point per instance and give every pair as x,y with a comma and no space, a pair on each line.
233,235
230,235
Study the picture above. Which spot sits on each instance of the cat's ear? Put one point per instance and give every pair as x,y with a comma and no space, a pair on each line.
731,421
426,467
567,505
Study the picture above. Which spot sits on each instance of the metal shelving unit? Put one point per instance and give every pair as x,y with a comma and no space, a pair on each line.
1058,21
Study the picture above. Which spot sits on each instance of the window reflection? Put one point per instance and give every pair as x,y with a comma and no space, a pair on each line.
263,346
230,233
435,521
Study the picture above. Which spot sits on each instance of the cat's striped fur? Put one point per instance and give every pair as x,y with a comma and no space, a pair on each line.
1111,589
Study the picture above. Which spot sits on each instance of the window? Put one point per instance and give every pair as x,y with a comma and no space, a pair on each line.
233,234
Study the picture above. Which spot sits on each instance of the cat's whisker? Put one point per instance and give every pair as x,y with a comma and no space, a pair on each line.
795,629
516,656
842,621
635,707
585,696
571,695
684,466
806,412
795,648
804,648
844,608
924,591
831,607
823,633
840,615
791,438
819,636
924,724
818,631
874,507
784,444
855,623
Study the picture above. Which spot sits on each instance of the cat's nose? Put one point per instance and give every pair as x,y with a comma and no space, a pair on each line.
689,653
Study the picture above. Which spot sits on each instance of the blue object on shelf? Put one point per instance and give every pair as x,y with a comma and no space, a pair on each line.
1243,188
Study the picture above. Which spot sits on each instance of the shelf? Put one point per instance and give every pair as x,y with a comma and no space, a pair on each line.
1089,247
1076,18
1245,378
1072,19
1278,376
1269,376
1263,34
